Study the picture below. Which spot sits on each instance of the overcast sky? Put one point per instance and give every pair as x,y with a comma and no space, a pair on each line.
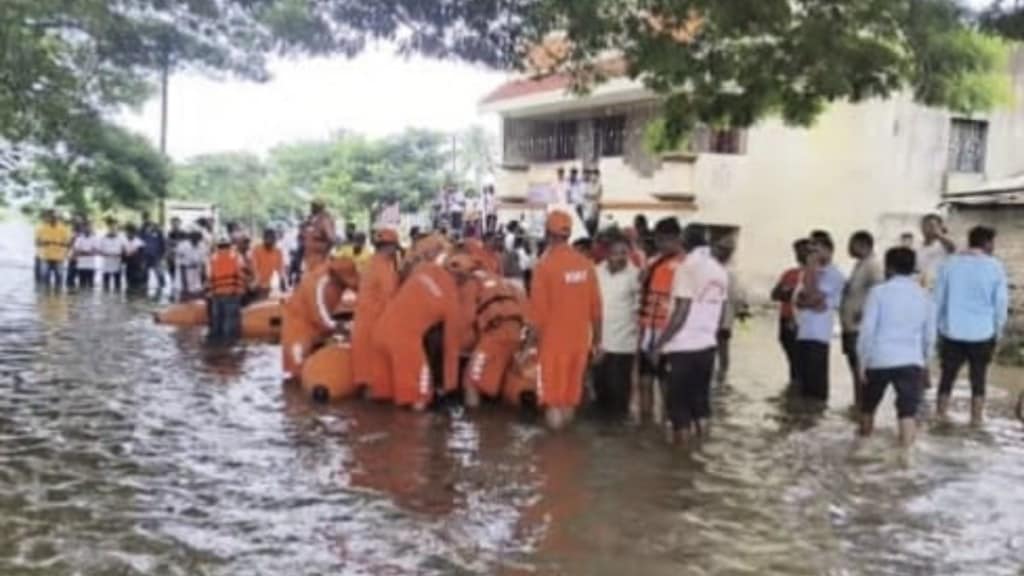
377,93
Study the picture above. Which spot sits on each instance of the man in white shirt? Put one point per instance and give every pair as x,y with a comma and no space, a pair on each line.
191,259
457,210
934,249
619,282
699,293
111,250
84,251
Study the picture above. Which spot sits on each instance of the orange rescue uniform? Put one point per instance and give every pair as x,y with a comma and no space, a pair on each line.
500,316
307,315
265,263
226,273
565,303
377,285
400,368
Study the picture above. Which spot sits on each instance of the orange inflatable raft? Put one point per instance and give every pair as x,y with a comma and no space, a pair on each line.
327,374
262,320
519,389
192,313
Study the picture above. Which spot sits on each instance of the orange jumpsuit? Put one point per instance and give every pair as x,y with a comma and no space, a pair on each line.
487,259
308,314
565,303
400,368
499,323
318,238
377,285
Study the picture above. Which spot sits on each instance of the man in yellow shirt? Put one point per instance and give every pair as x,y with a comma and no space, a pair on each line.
53,240
356,249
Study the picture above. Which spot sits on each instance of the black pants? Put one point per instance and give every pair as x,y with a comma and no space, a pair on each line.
688,389
952,356
112,281
787,339
71,276
225,321
456,221
613,377
812,369
86,278
155,266
906,380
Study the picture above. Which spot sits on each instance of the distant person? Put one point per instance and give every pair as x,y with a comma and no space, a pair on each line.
592,193
645,237
111,249
489,204
84,251
907,241
267,263
318,236
655,310
356,250
614,369
175,237
784,293
817,300
972,302
225,272
585,246
736,305
457,210
867,272
191,259
155,247
71,269
53,241
576,193
894,344
135,274
934,249
565,312
699,292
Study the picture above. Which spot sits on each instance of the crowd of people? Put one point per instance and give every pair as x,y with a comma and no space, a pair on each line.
641,316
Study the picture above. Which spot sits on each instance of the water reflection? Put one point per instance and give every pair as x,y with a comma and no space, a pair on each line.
128,448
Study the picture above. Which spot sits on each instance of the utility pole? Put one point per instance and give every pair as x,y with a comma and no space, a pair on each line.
455,154
164,79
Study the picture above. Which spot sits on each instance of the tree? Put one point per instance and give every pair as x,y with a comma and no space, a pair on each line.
477,155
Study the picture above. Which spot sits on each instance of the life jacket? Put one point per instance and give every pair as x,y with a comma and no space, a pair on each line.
227,276
656,299
499,302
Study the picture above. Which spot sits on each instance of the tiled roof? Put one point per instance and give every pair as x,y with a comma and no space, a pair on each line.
559,81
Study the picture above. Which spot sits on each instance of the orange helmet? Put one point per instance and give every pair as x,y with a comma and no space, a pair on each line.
559,223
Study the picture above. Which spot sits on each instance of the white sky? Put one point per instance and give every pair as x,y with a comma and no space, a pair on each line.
376,93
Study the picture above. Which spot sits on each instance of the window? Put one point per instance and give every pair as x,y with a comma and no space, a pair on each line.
551,141
967,142
720,141
610,135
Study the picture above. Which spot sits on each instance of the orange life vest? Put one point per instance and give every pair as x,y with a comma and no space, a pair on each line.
227,277
498,302
657,292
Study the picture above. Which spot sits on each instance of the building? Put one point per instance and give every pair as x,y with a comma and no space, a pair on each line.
1000,205
878,165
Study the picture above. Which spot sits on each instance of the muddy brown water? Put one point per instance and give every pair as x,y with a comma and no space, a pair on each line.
128,448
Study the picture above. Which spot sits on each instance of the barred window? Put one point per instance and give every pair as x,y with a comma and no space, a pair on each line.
610,134
968,140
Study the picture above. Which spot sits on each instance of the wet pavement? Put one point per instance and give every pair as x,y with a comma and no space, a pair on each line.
129,448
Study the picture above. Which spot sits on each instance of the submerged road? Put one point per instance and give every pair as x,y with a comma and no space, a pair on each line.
128,448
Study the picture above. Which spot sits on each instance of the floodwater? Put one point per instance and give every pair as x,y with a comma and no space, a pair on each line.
127,448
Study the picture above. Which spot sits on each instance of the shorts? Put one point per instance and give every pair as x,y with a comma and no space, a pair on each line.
953,354
646,368
906,380
688,386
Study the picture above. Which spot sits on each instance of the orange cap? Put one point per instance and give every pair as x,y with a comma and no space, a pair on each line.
344,269
460,263
560,223
386,236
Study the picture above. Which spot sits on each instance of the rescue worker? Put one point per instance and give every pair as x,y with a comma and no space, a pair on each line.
267,260
308,315
377,285
428,248
226,275
655,309
318,237
499,321
565,313
430,296
482,253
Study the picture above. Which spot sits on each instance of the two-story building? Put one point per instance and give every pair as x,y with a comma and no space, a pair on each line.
877,165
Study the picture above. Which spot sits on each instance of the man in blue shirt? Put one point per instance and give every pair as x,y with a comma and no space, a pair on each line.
817,300
972,305
897,334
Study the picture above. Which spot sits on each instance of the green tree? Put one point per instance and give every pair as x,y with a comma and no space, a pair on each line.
477,154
